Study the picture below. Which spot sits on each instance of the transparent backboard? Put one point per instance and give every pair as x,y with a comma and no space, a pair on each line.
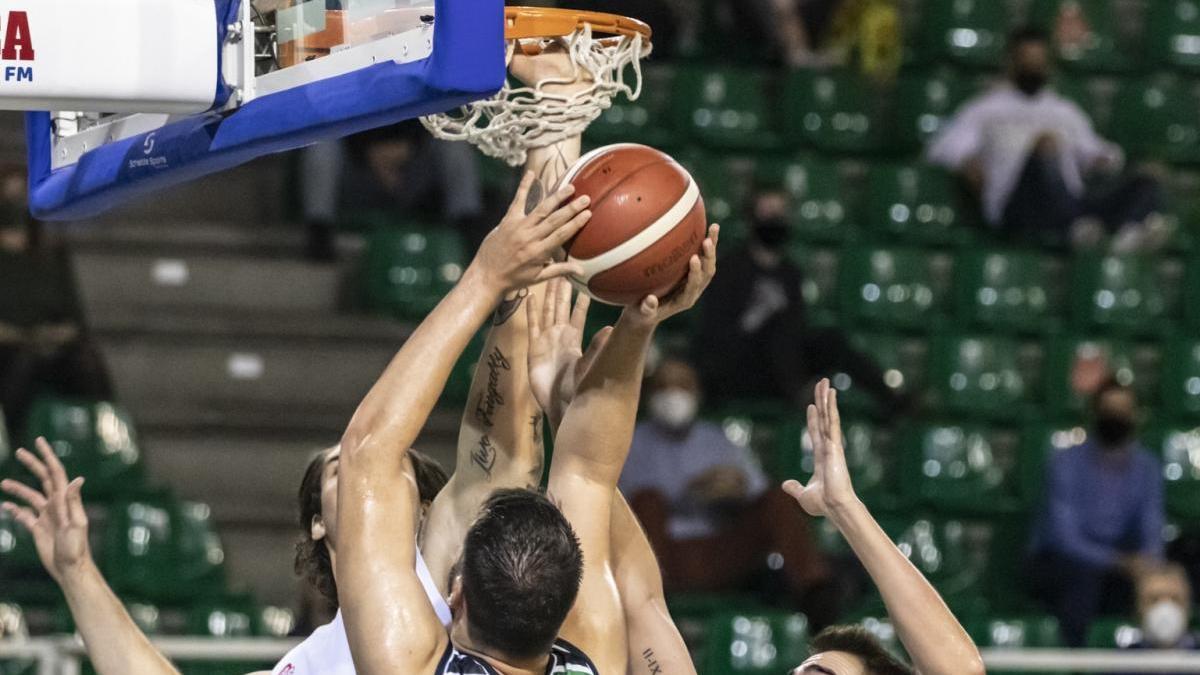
290,74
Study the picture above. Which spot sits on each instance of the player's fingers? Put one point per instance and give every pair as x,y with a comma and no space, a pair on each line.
563,269
579,314
815,439
555,239
39,470
794,489
26,517
835,418
820,399
548,304
75,512
562,303
554,203
709,260
594,348
58,475
519,206
649,306
25,493
533,310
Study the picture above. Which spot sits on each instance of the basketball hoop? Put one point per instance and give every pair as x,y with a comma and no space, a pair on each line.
518,118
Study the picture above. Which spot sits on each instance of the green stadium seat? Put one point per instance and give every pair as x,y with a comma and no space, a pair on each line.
1183,215
968,32
138,555
837,111
1097,96
1179,447
870,455
1181,378
1131,294
896,287
985,377
962,469
274,622
925,102
821,210
755,644
646,120
727,108
1173,33
1015,632
6,448
409,269
225,617
1110,43
916,203
1113,633
903,358
754,425
96,440
200,565
821,268
1138,364
725,184
1015,290
953,554
1159,118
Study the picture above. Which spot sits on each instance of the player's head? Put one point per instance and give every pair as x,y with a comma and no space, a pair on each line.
767,211
1115,414
1164,601
318,512
520,571
1029,59
673,394
850,650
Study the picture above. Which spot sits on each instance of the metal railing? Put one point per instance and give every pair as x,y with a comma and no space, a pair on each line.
63,655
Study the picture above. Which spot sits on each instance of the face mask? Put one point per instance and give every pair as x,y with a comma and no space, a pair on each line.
1113,430
675,409
771,232
1030,83
1164,624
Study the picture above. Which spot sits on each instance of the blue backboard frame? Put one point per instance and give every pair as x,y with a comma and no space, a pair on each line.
467,64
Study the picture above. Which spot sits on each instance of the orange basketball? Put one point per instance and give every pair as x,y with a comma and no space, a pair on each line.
647,222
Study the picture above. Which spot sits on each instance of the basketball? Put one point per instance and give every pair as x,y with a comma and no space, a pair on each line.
647,221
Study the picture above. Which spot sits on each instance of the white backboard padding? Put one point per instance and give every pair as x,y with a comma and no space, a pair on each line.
111,56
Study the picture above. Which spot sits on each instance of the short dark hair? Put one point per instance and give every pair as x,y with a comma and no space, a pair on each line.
860,642
521,570
1110,385
312,557
1023,35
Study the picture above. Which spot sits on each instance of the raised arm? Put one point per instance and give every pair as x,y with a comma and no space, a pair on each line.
391,626
500,439
590,451
59,525
934,639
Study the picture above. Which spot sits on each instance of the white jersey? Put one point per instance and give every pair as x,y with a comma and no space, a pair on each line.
327,650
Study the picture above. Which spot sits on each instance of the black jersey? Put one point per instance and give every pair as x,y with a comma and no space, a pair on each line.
565,659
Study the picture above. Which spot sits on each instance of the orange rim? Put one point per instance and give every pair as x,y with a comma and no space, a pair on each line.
522,23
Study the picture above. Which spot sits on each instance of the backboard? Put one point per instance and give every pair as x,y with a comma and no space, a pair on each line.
257,77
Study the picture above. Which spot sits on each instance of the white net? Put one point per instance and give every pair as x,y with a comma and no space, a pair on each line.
516,119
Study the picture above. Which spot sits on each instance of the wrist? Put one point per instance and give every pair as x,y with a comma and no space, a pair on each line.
846,511
478,278
77,574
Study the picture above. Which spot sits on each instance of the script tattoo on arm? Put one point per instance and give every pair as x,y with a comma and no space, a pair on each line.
490,400
652,665
508,307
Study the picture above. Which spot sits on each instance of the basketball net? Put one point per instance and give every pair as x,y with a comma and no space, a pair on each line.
519,118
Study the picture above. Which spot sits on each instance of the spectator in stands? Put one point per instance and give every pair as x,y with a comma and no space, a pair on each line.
1101,523
755,340
399,172
44,343
1164,609
711,515
1028,153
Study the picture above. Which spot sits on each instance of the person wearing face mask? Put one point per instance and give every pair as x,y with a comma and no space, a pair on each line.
1100,525
1164,609
709,511
755,341
1039,168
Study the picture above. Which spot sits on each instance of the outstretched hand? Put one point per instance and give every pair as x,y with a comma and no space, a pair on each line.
830,488
701,270
54,516
519,252
557,362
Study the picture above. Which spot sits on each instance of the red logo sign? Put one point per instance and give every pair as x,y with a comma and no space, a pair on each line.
18,44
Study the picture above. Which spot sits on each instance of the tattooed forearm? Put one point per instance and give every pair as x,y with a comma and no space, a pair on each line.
484,456
652,666
490,400
508,307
